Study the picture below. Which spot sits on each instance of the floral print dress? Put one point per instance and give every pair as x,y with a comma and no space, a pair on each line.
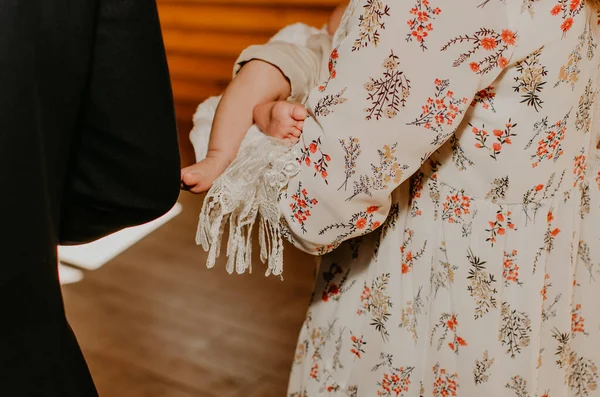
449,175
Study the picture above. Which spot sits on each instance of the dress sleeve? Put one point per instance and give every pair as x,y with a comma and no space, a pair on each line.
400,83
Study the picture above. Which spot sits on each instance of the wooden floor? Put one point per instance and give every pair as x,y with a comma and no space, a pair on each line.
156,323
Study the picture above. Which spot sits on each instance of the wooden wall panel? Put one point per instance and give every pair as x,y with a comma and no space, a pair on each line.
236,18
204,37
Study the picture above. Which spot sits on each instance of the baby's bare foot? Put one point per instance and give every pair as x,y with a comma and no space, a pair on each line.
281,119
198,178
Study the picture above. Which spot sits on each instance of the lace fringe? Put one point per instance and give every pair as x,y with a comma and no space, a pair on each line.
248,190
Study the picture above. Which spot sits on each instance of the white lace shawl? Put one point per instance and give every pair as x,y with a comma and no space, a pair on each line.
249,190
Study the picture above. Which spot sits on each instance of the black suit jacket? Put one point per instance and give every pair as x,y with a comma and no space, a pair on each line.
88,145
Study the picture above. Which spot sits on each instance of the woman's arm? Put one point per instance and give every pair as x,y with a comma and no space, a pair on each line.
394,95
397,92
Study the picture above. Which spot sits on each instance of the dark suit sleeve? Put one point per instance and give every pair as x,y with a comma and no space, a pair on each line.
124,166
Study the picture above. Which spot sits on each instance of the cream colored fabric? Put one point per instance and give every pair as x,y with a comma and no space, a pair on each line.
304,63
450,178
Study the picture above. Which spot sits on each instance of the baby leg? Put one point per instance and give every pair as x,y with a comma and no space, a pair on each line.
257,82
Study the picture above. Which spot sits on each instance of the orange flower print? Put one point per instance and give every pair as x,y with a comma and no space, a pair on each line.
335,283
498,226
361,223
556,9
451,323
485,98
301,205
445,384
331,67
365,297
544,291
567,25
567,10
445,331
502,137
441,110
579,168
550,146
455,207
510,271
487,40
314,371
488,43
358,346
408,256
324,249
332,291
549,237
395,383
577,321
551,232
508,37
312,155
421,23
373,208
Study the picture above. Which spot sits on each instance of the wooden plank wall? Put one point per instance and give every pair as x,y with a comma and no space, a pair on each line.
204,37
